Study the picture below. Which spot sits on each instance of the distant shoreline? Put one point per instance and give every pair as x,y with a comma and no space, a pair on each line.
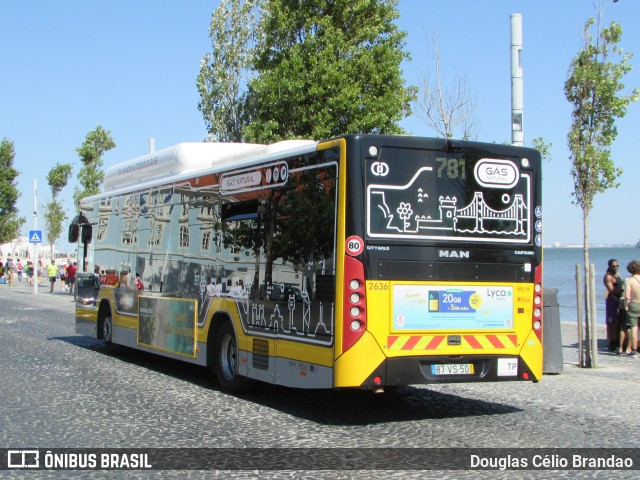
592,246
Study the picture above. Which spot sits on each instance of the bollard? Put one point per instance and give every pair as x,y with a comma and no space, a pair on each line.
552,335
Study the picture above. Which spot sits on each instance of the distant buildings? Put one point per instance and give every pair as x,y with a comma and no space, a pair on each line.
22,249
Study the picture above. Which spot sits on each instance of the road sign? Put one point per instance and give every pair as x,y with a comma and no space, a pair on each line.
35,236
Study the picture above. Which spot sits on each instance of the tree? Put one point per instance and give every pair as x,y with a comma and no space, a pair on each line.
447,110
326,68
54,215
10,222
225,71
91,176
594,87
544,148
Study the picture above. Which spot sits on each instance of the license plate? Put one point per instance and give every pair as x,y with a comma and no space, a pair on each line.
452,369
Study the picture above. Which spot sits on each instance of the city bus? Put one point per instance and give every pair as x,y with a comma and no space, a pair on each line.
364,261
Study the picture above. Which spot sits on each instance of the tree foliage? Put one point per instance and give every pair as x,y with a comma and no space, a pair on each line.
225,71
543,147
91,176
328,68
303,69
58,177
594,87
54,215
10,222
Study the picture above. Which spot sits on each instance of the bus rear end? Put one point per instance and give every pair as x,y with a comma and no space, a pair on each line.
442,263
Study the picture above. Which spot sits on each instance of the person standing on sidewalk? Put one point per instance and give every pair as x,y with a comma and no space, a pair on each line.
52,271
614,315
632,306
9,268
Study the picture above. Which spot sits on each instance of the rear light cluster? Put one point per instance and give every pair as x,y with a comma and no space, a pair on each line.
537,303
354,316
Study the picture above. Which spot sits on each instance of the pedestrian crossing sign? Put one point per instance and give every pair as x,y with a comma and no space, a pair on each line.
35,236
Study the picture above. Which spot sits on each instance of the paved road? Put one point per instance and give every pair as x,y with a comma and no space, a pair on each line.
58,389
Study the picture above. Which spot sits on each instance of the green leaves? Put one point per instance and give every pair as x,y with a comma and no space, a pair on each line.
303,69
328,68
91,176
10,223
225,71
594,87
58,177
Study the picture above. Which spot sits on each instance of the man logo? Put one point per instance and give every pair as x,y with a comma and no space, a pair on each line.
379,169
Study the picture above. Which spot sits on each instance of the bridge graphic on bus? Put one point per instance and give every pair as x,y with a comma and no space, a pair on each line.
393,213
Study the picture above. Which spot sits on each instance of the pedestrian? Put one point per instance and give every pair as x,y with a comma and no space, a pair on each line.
9,268
52,271
19,269
614,315
62,274
40,271
72,269
632,306
29,270
2,279
209,288
139,284
217,289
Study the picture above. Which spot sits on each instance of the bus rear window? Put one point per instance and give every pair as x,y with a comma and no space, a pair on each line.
420,194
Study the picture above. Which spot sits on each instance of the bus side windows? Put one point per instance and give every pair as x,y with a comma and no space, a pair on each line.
325,285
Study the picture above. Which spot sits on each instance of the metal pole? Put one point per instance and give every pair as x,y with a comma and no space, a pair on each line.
579,312
517,96
594,331
36,252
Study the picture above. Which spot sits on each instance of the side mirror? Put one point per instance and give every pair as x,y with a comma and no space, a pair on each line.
87,231
74,232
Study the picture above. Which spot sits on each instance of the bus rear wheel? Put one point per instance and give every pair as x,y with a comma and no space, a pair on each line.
225,361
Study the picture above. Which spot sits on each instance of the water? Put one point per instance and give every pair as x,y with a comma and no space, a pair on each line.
559,271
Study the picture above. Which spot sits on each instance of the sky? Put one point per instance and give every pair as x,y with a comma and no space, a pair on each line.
131,66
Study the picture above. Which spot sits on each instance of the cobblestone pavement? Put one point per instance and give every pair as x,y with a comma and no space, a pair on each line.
59,389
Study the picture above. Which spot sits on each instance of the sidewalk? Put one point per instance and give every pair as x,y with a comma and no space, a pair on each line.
609,364
43,296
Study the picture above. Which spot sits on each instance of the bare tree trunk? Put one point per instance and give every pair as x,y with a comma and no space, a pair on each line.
587,291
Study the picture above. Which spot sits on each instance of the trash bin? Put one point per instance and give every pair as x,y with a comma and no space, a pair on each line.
552,335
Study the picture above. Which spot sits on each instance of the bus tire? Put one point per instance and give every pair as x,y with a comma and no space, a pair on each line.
106,330
225,360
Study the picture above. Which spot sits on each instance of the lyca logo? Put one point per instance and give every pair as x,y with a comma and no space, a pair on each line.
495,293
379,169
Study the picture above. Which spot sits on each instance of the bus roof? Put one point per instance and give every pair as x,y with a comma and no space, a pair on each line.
188,158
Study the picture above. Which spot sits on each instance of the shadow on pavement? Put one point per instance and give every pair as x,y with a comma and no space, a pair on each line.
327,407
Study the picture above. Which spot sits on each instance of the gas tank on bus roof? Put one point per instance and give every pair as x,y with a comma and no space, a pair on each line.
181,158
191,157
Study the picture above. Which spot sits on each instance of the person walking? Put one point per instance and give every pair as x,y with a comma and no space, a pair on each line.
29,270
72,269
52,271
19,269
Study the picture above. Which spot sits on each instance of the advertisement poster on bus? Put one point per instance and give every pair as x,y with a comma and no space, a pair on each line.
168,324
452,307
